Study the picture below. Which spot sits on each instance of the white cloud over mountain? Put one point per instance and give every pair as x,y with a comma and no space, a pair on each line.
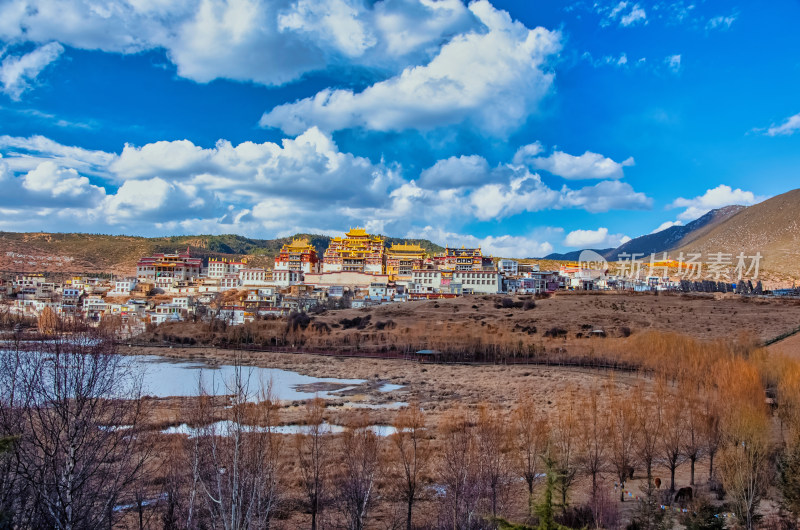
534,245
302,183
713,198
599,238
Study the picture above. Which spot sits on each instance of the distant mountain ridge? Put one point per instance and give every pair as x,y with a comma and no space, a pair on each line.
662,241
675,236
771,228
575,254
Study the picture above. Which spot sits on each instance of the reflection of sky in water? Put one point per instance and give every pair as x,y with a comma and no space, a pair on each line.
223,427
389,387
167,377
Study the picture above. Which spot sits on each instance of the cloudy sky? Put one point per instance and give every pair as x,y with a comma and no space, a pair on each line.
525,127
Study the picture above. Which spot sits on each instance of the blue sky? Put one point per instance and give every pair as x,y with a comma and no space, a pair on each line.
524,127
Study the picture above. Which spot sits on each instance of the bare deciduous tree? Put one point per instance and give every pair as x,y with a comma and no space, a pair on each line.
650,422
593,439
745,463
237,462
65,400
529,429
623,435
314,458
693,440
458,470
492,442
412,454
358,447
564,446
673,432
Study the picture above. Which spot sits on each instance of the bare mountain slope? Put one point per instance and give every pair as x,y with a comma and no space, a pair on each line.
771,227
675,236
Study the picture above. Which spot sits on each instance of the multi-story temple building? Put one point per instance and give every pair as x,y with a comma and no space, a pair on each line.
221,267
299,255
401,260
462,259
356,252
163,269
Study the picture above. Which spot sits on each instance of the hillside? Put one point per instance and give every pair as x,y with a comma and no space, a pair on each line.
771,227
84,253
675,236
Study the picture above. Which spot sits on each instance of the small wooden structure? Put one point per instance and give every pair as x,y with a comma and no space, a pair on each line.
429,356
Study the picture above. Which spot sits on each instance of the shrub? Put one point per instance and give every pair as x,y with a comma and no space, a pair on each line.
555,332
298,321
355,322
321,327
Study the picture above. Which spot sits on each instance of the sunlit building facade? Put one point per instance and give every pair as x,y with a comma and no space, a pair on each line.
299,256
402,259
358,251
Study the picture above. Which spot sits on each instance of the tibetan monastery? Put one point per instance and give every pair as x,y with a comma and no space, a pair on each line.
462,259
401,260
163,269
299,255
356,252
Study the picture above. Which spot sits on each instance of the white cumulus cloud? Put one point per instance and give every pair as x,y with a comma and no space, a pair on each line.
18,72
493,77
270,42
721,22
599,238
604,196
666,224
456,172
713,198
789,126
506,246
586,166
673,62
299,184
626,13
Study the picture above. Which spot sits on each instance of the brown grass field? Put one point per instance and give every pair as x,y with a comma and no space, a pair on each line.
707,324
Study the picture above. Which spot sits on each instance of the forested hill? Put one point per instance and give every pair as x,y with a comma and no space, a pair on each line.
56,252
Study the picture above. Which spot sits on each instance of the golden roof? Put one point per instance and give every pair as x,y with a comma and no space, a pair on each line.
357,232
298,244
406,247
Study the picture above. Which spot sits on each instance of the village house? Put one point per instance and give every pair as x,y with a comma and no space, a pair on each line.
286,278
229,281
478,281
163,269
508,267
221,267
94,307
123,287
255,277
